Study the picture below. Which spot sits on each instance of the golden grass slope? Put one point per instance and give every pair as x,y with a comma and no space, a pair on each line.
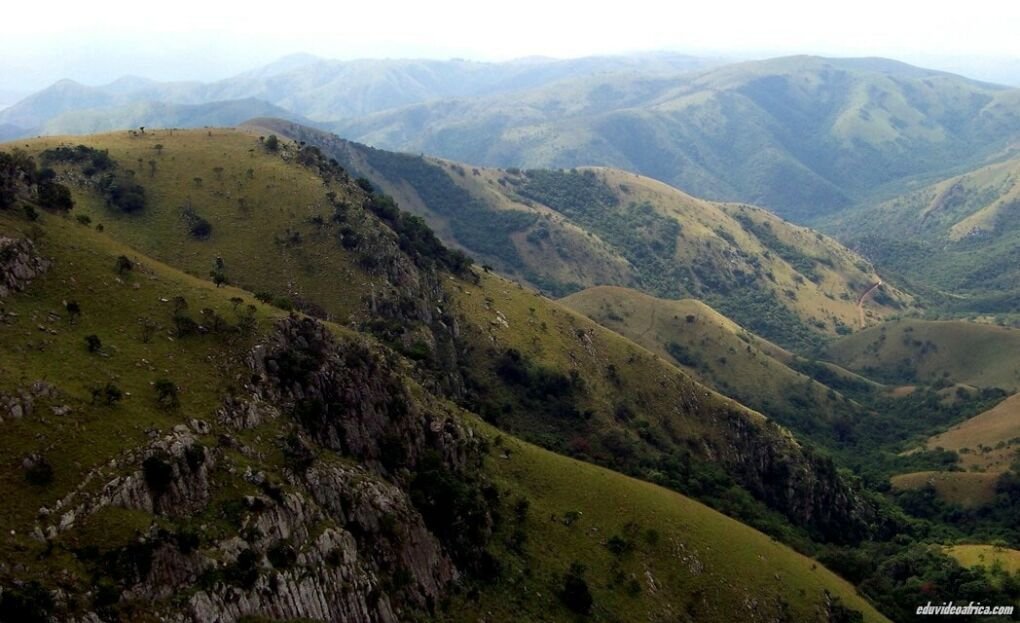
966,489
909,350
988,441
713,236
988,556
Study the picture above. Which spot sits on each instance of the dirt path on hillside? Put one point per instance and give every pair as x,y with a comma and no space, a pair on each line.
863,297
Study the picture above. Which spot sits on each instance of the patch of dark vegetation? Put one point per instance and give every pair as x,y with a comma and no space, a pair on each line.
27,602
575,593
116,185
21,179
801,262
415,237
198,227
461,509
478,227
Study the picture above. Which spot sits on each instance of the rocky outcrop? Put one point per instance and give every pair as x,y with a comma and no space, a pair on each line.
805,487
355,550
23,402
350,400
20,263
174,479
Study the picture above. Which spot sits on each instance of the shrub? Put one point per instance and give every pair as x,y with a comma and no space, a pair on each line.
124,264
39,472
93,343
575,594
108,394
166,394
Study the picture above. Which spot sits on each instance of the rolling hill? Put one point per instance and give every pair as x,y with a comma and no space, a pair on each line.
718,352
151,413
905,351
148,114
803,136
987,446
564,230
987,442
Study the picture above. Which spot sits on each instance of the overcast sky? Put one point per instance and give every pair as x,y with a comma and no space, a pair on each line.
96,41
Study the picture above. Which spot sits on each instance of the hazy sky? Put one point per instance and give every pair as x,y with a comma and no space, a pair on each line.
95,41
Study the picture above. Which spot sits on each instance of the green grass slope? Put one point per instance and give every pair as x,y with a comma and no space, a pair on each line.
671,563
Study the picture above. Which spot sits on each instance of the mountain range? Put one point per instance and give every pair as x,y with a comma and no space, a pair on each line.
803,136
573,352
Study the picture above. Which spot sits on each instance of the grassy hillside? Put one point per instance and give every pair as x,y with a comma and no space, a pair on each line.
957,235
647,552
565,230
131,492
988,556
903,351
988,441
804,136
965,489
717,351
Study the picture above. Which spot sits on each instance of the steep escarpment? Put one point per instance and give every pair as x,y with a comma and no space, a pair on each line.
336,533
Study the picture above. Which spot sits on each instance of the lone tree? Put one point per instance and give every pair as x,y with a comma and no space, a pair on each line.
159,149
73,311
272,143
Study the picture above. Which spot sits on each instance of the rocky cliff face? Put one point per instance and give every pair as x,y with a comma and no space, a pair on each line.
335,535
805,487
349,400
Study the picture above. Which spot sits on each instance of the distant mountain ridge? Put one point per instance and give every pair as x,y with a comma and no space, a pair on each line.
328,90
803,136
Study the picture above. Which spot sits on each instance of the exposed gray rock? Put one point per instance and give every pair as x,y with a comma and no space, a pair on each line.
20,263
